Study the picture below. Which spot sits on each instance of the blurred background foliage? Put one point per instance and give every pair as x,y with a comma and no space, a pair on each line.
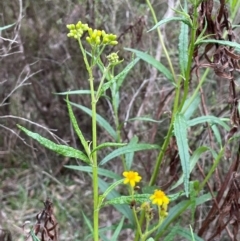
37,60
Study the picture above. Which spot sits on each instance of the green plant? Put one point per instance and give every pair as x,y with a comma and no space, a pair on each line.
203,35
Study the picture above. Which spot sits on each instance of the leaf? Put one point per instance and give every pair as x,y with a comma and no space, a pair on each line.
177,210
108,144
117,231
190,107
144,118
129,156
108,190
211,119
183,47
6,27
60,149
88,222
217,134
180,130
77,129
193,160
121,76
100,120
75,92
101,171
152,61
128,149
167,20
124,209
185,233
138,198
221,42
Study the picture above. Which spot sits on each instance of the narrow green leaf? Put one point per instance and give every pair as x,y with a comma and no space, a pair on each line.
100,120
152,61
138,198
128,149
60,149
75,92
210,119
176,211
190,107
145,118
76,128
183,48
167,20
107,191
129,156
180,130
33,235
217,134
6,27
124,209
185,233
108,144
88,222
121,76
101,171
117,231
193,161
221,42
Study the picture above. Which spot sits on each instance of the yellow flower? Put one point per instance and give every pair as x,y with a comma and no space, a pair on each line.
160,198
76,30
131,178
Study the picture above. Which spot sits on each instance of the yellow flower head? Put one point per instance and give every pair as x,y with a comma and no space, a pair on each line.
160,198
131,177
76,30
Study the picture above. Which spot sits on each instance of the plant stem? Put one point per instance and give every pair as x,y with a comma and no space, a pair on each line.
94,145
161,40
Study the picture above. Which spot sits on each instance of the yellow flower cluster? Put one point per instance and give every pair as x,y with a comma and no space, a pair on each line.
77,30
113,58
159,197
96,37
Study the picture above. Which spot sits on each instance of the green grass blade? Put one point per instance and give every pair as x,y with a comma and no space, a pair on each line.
60,149
180,130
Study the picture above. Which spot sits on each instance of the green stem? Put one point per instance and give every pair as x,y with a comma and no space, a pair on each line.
161,40
94,145
190,57
94,161
167,139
